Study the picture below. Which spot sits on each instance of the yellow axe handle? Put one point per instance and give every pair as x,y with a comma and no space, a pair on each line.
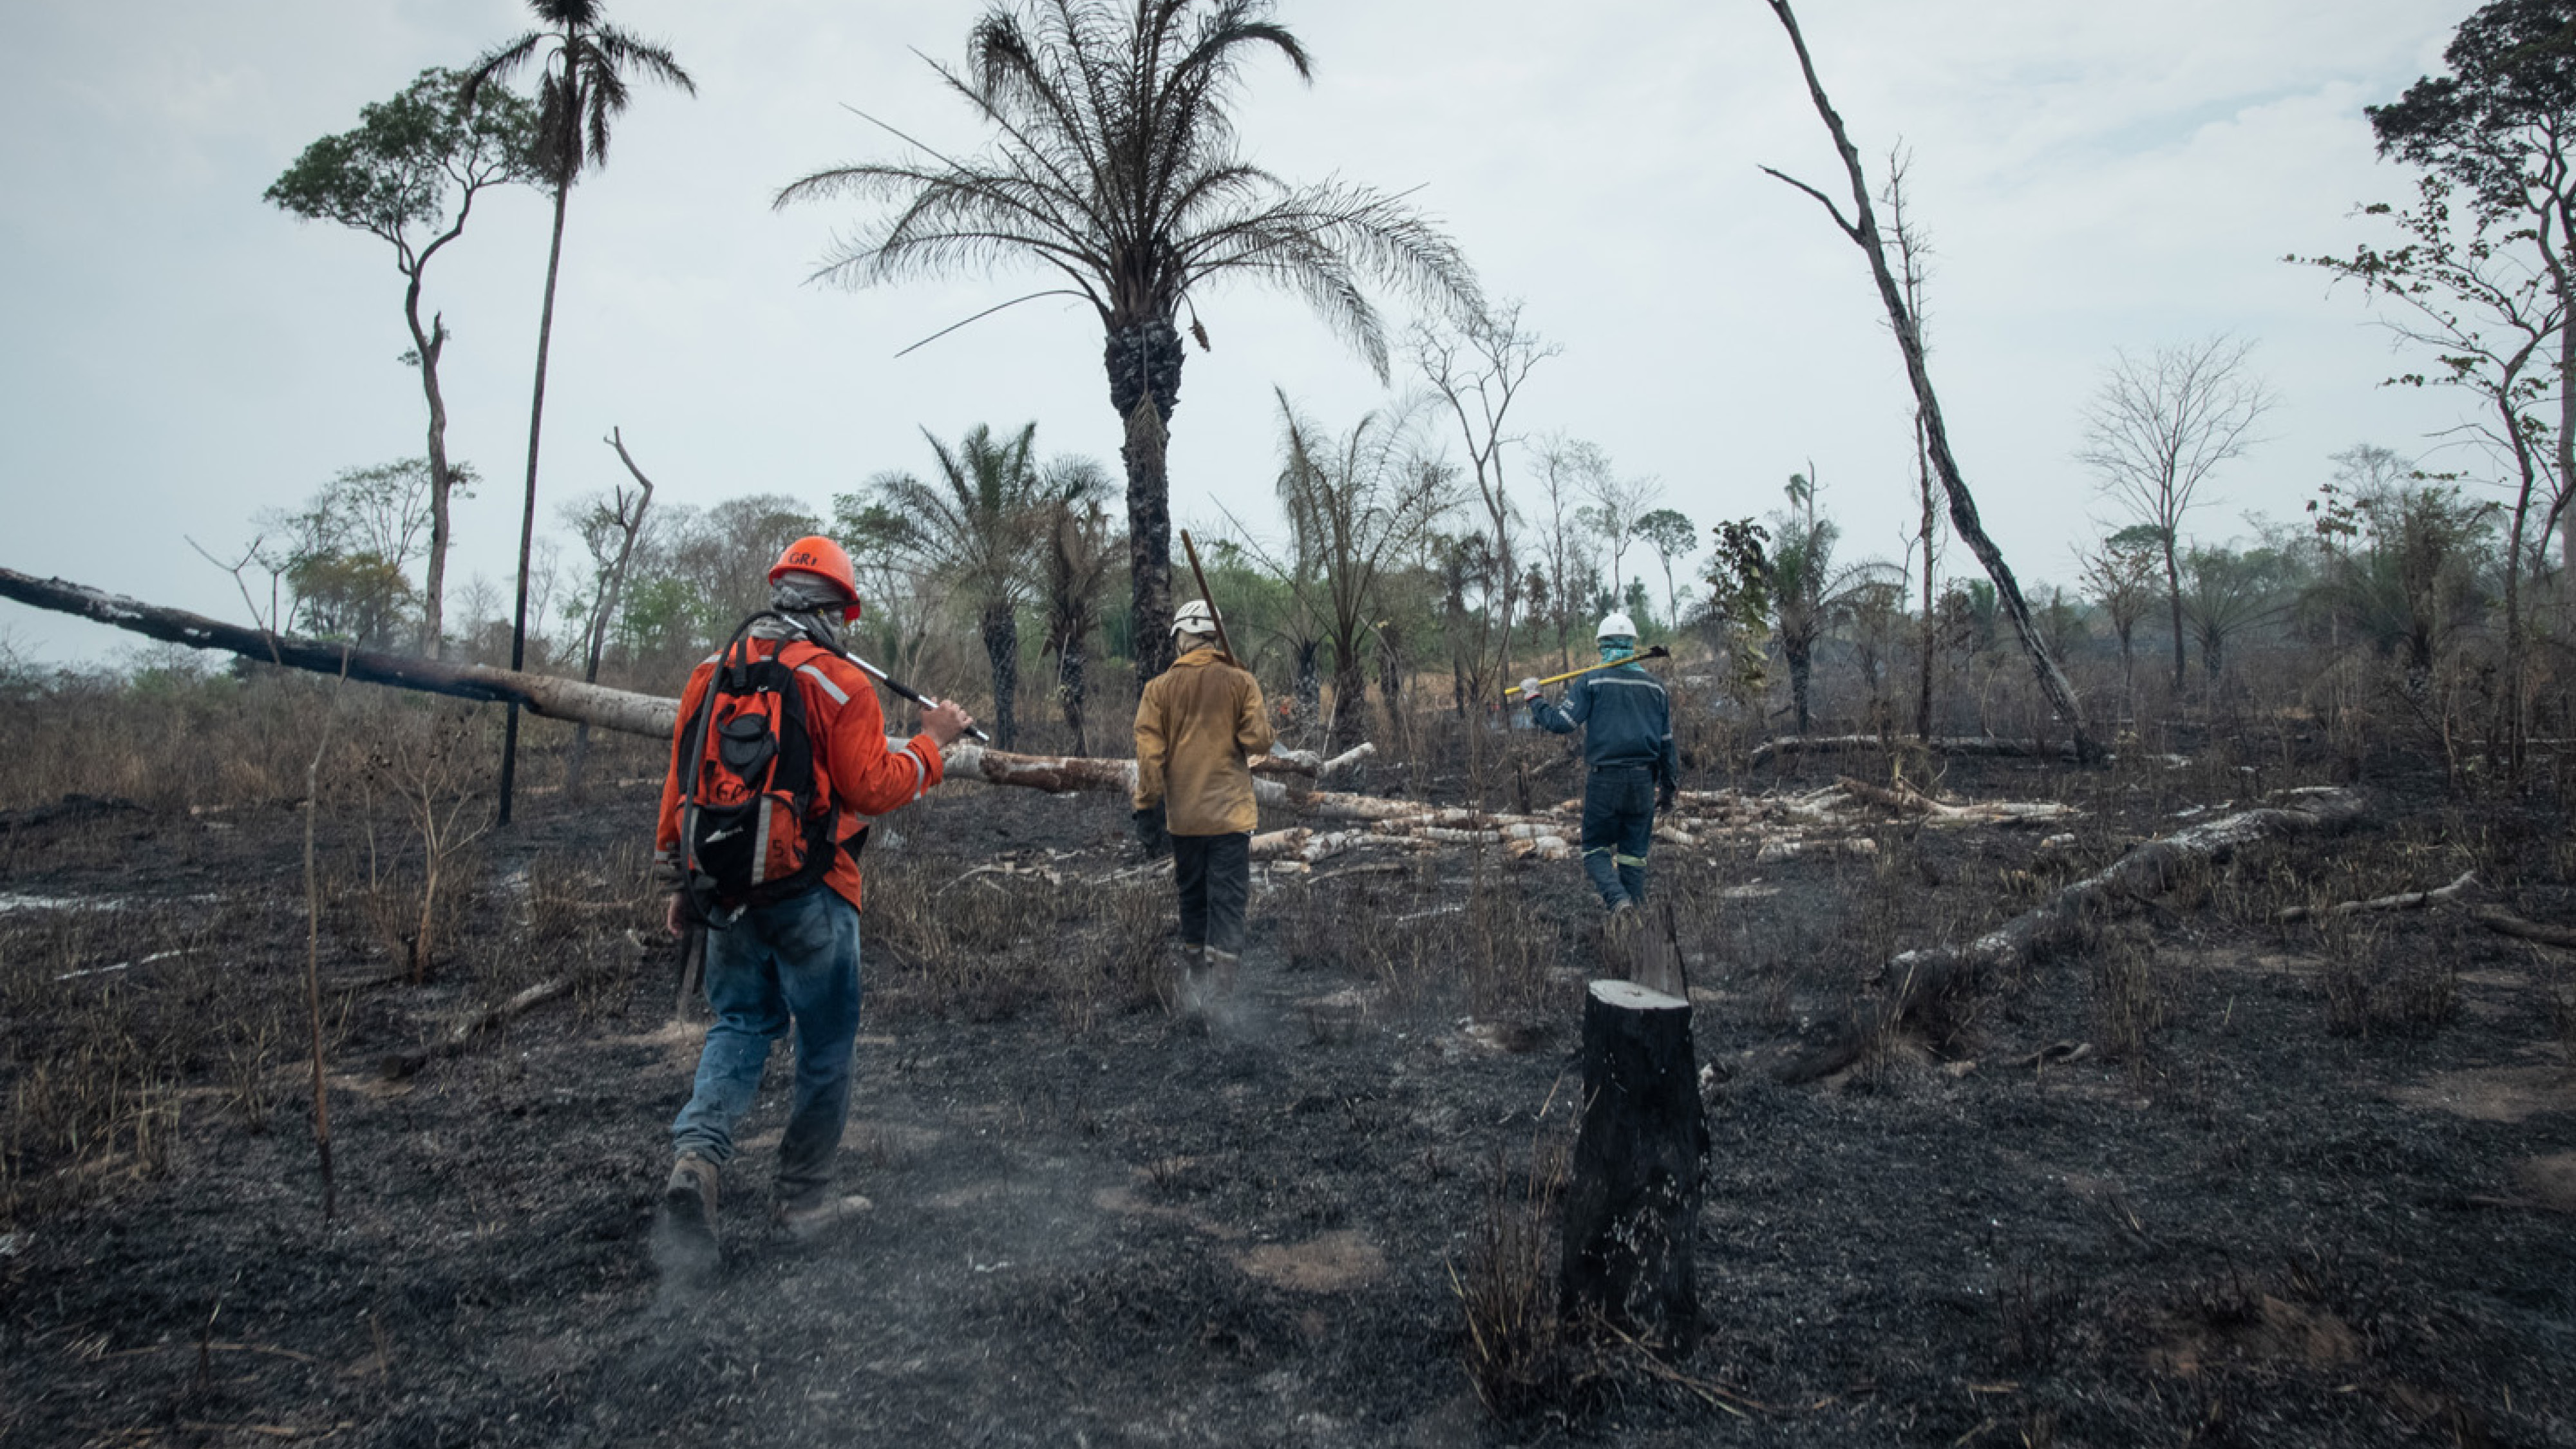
1658,652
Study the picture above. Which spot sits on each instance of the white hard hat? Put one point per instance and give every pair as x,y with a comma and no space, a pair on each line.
1615,625
1194,617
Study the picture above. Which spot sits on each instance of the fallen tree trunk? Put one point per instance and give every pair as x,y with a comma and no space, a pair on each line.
2498,919
563,699
1916,978
627,712
1980,745
1905,799
1702,818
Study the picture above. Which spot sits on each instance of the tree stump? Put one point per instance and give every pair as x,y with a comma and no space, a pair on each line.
1632,1208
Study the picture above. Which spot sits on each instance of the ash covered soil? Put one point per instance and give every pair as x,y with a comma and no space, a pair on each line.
2295,1186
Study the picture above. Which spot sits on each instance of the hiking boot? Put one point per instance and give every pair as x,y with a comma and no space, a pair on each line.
813,1217
687,1236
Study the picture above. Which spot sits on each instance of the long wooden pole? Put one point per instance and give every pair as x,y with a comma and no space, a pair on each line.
1222,642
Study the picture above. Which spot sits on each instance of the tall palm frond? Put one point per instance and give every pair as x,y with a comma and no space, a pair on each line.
584,86
1112,166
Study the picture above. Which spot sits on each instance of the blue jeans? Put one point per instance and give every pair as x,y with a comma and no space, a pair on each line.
797,961
1618,822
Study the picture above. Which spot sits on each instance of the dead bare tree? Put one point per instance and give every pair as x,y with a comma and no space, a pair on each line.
621,517
1478,371
1911,251
2159,427
1861,229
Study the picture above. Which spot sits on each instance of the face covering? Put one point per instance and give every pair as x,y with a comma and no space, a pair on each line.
1614,651
813,605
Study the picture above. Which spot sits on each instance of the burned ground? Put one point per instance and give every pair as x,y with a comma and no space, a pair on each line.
2273,1185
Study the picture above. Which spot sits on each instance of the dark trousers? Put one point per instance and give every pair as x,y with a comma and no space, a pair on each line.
1214,873
1618,822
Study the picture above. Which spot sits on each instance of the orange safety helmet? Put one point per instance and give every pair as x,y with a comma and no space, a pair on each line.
817,555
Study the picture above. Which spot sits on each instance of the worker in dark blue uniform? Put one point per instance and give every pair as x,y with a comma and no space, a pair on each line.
1627,724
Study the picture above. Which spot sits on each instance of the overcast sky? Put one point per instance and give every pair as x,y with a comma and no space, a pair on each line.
2093,176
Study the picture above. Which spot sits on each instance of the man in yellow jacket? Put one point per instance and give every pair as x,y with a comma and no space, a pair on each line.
1198,726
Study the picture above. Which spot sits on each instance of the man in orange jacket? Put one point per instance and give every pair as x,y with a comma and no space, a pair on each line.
793,960
1198,725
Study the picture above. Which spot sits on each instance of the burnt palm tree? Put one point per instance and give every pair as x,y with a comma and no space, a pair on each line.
1079,552
583,86
1113,165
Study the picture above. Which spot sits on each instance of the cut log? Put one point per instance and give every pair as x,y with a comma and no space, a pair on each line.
1915,978
2466,885
1632,1207
1907,800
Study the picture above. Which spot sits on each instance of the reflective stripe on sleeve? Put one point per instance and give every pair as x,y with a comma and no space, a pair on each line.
819,677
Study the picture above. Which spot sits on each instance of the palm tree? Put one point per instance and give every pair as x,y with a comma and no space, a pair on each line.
1810,595
583,86
979,526
1113,164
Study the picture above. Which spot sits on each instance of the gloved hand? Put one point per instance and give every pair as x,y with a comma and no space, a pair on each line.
1151,832
1529,687
1667,791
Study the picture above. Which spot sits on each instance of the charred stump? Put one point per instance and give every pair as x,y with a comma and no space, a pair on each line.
1632,1206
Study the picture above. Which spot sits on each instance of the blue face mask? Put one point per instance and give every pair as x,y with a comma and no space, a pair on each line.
1616,651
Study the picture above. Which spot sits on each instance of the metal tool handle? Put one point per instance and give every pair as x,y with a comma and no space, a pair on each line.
908,692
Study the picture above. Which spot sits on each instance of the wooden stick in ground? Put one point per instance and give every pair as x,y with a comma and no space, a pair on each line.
313,952
2465,886
1916,978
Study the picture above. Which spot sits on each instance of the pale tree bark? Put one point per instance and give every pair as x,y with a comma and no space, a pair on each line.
1862,230
428,342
